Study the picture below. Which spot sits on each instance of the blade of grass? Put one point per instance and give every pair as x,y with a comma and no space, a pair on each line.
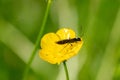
37,41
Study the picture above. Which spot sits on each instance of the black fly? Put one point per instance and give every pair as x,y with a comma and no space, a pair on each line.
68,41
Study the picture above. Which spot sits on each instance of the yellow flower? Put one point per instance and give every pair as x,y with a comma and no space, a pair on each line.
60,46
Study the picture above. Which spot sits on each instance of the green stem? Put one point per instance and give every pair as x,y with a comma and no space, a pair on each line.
38,40
66,70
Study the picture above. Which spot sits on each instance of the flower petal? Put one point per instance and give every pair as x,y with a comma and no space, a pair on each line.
48,41
65,33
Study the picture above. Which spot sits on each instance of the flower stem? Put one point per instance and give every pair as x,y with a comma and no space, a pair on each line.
66,70
38,40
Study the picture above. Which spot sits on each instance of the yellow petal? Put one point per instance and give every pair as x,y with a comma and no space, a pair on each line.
70,50
65,33
47,56
49,42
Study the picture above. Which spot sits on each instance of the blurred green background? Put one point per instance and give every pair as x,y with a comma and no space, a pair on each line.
96,21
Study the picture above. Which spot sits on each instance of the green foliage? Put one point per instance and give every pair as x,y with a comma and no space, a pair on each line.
96,21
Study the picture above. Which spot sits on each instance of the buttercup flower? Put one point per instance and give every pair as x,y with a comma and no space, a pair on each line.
60,46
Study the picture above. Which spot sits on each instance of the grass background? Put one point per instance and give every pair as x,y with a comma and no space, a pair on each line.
96,21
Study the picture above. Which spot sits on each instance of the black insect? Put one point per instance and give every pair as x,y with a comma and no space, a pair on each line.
68,41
